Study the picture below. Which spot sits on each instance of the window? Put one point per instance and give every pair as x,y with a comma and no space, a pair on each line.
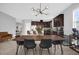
76,18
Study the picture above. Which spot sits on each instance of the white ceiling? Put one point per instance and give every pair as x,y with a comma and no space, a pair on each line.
23,11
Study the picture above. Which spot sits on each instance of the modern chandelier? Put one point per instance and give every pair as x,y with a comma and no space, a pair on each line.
40,10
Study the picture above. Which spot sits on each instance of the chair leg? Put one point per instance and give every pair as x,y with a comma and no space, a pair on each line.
51,50
17,49
54,49
48,51
24,50
27,51
33,52
61,49
40,51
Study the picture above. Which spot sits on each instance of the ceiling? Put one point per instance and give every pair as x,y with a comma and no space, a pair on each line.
23,11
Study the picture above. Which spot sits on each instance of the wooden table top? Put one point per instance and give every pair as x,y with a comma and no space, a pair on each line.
39,37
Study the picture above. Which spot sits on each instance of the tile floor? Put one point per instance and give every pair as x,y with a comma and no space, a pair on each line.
9,48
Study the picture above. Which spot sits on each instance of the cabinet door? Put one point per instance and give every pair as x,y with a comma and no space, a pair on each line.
55,22
47,24
59,20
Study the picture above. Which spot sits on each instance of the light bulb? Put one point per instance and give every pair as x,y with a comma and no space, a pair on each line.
46,7
33,9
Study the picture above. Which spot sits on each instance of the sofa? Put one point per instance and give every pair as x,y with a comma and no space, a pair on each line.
5,36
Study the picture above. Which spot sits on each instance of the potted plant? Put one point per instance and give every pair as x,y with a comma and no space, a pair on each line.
39,29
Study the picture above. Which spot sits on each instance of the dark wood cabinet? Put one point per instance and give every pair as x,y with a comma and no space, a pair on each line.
46,24
59,20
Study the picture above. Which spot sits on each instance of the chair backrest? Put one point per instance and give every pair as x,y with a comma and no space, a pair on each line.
34,32
29,41
20,42
47,32
75,32
57,42
46,41
28,32
74,29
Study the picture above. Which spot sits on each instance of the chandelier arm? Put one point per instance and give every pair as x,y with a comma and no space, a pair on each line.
35,10
37,14
44,13
44,9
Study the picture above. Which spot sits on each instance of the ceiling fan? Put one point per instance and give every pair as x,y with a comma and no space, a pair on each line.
40,11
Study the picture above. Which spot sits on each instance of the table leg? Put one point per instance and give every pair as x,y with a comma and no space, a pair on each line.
61,49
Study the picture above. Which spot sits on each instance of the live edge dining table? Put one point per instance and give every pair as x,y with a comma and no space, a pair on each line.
40,37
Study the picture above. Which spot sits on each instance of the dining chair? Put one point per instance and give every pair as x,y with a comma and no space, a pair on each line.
29,44
34,32
47,32
57,42
61,32
76,37
28,32
45,44
19,43
75,33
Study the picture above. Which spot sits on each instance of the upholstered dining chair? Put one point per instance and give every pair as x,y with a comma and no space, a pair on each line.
28,32
19,43
34,32
57,42
29,44
45,44
74,32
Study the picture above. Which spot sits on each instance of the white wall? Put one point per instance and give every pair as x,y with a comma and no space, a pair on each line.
68,18
19,25
25,27
24,10
7,23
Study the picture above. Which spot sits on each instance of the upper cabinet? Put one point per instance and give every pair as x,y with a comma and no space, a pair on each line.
59,20
46,24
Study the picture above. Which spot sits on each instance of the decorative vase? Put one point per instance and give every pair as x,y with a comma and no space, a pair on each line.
39,30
